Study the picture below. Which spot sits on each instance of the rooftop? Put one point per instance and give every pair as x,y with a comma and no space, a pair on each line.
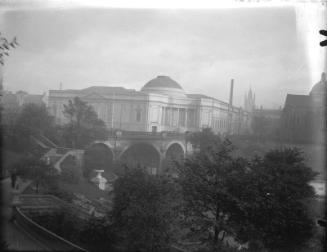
162,82
298,101
320,88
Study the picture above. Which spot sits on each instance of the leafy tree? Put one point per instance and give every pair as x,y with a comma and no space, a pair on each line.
205,189
260,201
99,234
84,126
204,139
33,119
145,209
259,126
273,208
6,46
69,170
36,170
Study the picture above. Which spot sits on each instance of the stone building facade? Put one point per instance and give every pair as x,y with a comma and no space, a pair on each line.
161,105
304,116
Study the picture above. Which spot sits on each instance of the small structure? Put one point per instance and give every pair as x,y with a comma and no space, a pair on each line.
99,180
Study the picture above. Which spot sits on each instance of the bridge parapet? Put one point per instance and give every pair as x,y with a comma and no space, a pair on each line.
125,146
145,135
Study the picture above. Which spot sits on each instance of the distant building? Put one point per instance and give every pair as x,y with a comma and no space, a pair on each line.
270,122
161,105
303,116
13,102
249,101
20,98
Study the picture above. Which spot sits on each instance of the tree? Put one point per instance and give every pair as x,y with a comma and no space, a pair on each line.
70,172
84,126
259,126
33,119
5,47
36,170
205,189
145,209
260,201
204,139
273,208
99,234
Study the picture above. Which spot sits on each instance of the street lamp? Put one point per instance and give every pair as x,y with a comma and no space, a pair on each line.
187,133
118,133
163,136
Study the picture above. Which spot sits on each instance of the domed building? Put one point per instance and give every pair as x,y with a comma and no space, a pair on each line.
303,116
161,105
164,85
318,92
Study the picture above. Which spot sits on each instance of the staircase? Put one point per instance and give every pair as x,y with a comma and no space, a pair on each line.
54,154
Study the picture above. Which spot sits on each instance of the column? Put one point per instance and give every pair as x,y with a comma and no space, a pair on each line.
178,117
171,117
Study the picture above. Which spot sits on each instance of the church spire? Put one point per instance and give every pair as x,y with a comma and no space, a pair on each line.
249,100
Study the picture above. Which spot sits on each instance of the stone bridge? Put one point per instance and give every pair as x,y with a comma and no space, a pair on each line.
149,149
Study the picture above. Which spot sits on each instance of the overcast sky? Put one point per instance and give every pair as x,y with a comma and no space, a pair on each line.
200,49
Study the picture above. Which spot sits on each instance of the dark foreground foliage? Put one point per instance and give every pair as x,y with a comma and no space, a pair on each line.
145,211
259,201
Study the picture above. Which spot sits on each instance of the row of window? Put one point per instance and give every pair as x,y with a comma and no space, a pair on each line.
178,117
220,123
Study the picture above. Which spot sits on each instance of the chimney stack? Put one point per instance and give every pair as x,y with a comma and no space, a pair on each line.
231,94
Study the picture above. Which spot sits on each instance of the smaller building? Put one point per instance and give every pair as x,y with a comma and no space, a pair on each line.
303,116
13,102
266,123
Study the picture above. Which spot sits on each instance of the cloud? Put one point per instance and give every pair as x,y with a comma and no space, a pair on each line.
202,50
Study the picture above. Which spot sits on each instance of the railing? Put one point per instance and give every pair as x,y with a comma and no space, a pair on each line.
138,134
51,240
34,202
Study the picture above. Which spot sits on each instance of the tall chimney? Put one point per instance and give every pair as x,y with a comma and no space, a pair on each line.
231,94
230,107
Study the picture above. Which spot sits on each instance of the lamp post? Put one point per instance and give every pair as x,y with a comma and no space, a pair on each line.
162,157
186,141
163,136
118,133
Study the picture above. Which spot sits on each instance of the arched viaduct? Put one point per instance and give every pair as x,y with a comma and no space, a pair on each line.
146,149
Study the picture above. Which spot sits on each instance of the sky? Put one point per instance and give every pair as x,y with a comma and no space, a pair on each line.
260,48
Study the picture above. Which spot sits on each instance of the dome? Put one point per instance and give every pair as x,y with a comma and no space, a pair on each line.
321,87
163,85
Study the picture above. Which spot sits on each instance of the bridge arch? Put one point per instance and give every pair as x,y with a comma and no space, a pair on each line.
175,152
177,146
141,154
98,156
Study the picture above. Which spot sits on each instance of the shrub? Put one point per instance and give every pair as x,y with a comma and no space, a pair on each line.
69,171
